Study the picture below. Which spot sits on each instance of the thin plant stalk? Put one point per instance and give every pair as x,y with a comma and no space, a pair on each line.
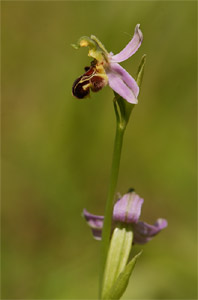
110,200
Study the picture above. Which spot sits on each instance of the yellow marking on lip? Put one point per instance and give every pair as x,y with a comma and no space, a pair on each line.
86,86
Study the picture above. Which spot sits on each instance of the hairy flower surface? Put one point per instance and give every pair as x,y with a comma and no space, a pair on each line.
105,69
127,210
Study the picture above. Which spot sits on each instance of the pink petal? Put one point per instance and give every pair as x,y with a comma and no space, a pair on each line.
122,83
144,232
95,222
131,48
128,208
126,77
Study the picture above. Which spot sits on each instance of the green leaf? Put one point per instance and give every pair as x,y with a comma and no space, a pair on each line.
122,281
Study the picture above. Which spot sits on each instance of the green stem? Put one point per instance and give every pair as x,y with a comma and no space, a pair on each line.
120,129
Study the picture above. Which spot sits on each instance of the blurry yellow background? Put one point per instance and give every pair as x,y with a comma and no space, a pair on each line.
56,150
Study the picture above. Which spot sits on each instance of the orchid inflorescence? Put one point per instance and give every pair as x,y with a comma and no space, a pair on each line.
120,228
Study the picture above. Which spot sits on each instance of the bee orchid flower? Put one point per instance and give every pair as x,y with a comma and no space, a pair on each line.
105,69
127,210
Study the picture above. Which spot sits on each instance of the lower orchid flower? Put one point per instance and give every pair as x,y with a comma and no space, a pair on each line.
105,69
127,210
126,230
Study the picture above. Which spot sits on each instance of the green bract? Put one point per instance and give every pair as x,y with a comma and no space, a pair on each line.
121,283
117,271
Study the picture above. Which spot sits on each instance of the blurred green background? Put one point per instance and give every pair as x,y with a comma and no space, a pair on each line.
56,150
